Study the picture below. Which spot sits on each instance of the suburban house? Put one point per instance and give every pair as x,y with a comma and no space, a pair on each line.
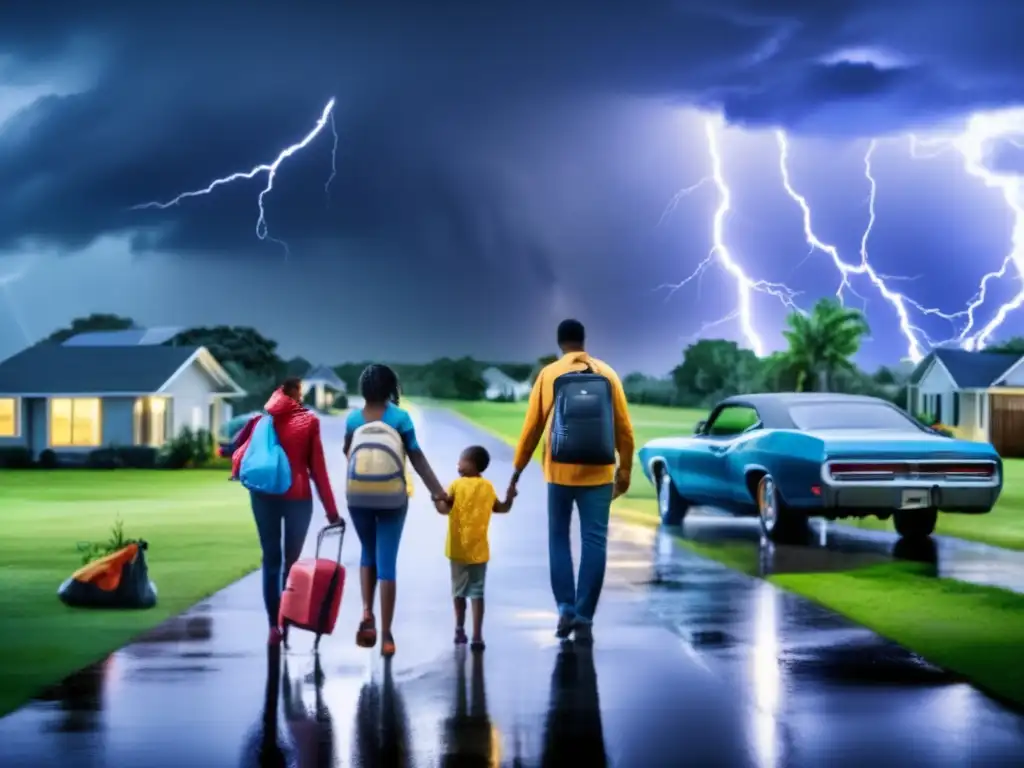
979,394
111,391
502,386
325,385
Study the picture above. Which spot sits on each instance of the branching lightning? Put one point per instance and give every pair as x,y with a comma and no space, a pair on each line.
262,232
745,286
915,337
973,145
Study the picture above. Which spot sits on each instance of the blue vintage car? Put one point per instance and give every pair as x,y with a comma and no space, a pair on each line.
790,456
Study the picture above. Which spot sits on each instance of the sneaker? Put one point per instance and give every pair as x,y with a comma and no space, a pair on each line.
460,636
564,628
583,634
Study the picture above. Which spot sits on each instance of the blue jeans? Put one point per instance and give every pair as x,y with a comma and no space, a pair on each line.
380,532
594,503
282,525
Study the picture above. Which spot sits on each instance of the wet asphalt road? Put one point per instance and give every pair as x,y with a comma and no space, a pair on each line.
694,665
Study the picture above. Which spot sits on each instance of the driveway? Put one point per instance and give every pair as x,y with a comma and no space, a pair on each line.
694,665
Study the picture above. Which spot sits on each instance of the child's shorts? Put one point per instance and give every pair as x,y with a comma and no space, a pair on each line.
468,579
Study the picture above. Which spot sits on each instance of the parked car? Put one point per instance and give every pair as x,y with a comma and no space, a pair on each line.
229,433
790,456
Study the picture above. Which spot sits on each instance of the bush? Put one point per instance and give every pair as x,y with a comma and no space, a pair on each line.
95,550
48,460
202,447
178,453
137,456
15,458
341,401
104,458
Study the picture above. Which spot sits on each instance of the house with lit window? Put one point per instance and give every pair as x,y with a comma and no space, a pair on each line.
75,397
501,386
979,394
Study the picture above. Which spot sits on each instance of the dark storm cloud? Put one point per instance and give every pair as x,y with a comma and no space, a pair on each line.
187,91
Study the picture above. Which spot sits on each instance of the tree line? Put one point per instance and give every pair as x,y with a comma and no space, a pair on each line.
820,345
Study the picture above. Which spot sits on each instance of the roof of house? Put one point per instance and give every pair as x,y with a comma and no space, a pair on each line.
321,374
495,377
130,337
970,370
55,369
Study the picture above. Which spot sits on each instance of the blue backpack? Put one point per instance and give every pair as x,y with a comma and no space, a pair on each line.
265,466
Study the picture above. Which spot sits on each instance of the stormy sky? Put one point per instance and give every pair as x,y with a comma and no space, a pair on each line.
500,166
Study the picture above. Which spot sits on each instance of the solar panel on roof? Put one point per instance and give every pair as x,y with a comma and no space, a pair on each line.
131,337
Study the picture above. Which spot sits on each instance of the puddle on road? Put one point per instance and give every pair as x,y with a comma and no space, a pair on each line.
735,619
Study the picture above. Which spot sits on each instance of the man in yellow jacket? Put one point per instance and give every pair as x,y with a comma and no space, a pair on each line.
590,487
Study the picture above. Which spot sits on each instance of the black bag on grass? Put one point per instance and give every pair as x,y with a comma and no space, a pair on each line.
119,580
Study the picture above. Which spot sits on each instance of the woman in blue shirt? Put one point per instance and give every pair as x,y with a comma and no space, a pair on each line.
380,531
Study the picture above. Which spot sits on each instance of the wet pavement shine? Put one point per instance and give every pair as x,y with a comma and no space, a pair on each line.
693,665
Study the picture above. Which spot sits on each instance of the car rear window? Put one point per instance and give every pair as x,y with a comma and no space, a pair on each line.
841,415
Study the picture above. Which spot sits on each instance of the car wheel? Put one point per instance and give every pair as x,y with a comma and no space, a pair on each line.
671,506
778,522
916,524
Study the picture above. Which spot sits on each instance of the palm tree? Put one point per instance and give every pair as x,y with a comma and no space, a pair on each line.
821,343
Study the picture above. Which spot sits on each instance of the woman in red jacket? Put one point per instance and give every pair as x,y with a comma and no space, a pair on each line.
298,431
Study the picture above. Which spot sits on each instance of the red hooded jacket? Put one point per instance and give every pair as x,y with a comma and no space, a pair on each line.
298,431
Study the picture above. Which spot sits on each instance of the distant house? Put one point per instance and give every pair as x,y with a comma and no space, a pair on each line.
77,396
501,386
326,386
981,394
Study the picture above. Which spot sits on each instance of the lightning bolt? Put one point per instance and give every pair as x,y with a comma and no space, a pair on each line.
262,232
720,253
915,337
973,145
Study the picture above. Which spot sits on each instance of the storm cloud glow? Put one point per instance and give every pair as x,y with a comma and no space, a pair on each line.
485,172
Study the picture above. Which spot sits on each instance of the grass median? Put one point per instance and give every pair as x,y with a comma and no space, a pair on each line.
200,536
971,630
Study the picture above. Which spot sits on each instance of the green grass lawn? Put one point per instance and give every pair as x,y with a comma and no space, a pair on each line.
974,631
1002,527
201,538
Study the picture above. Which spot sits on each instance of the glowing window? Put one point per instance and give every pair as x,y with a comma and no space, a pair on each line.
151,416
9,426
75,422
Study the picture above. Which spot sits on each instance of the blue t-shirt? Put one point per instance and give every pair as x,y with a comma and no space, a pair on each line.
393,416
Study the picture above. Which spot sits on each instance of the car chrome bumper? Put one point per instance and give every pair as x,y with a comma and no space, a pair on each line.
890,496
968,495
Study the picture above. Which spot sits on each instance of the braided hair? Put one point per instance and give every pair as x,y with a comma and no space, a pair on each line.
379,384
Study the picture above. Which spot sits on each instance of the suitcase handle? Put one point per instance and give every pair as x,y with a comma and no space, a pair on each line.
338,527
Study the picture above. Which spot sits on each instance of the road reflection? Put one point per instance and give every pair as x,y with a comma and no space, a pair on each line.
469,737
80,698
382,724
573,733
824,547
311,729
263,747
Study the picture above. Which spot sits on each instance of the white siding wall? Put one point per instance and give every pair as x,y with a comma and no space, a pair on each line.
936,384
191,393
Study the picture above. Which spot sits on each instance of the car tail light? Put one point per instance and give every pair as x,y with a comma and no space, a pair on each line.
925,470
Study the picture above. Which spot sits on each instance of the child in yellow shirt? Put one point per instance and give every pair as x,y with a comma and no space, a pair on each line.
471,500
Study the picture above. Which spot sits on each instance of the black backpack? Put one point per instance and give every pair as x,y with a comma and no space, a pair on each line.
583,423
